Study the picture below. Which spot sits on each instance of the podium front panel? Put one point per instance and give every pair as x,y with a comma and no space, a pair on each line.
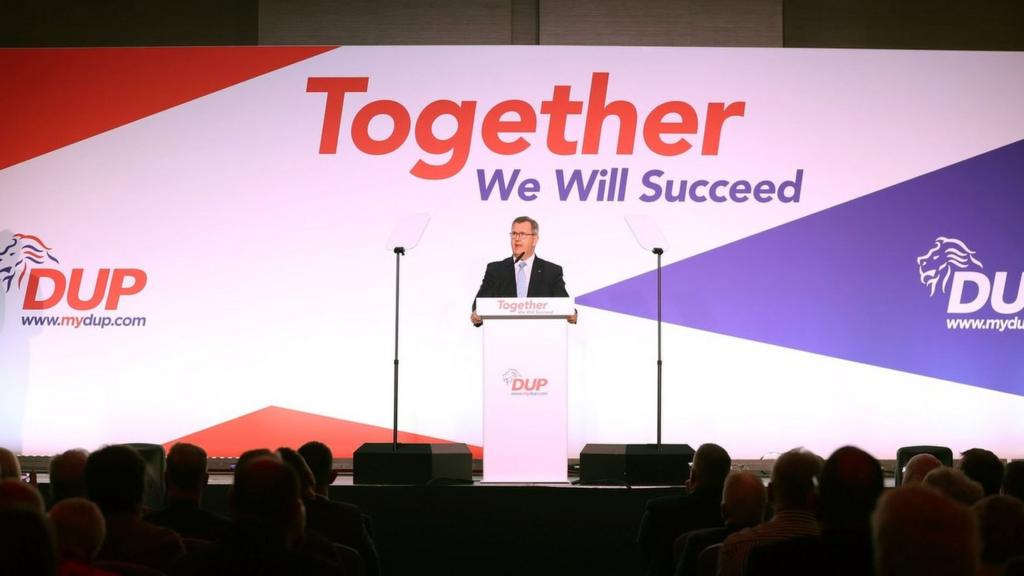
525,400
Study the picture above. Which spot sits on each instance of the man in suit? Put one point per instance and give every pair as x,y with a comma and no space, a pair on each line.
522,275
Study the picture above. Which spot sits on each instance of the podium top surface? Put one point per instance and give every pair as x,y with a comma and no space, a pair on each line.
525,308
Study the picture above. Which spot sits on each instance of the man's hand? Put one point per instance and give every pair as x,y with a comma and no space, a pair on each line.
572,319
475,319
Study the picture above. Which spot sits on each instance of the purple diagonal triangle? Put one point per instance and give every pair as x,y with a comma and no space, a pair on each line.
844,282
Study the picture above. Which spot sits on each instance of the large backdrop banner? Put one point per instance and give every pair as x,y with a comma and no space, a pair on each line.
194,242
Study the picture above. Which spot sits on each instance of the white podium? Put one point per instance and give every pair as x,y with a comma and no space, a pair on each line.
526,385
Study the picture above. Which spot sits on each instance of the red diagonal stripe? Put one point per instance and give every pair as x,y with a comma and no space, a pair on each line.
53,97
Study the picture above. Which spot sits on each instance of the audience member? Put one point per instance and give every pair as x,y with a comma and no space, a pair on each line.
79,530
668,517
17,494
1013,480
743,501
268,526
983,467
9,466
115,479
954,484
918,467
67,475
185,480
340,522
1001,527
26,543
793,494
851,482
918,531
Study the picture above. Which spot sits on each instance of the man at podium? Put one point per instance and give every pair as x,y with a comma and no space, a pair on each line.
522,275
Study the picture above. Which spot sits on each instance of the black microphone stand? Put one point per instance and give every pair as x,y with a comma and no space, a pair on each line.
659,252
399,252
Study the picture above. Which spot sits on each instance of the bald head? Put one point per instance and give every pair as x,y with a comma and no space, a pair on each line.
711,464
67,474
851,482
79,527
919,531
743,499
954,484
918,467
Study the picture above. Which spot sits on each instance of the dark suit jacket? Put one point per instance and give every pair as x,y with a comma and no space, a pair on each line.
500,280
667,517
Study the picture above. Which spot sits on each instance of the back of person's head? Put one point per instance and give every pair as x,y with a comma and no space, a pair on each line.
26,543
1013,480
9,466
983,467
250,455
79,527
266,493
920,531
918,467
115,479
294,460
711,464
320,460
743,499
954,484
186,469
17,494
794,480
851,482
67,475
1001,526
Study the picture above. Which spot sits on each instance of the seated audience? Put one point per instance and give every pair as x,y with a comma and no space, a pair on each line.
851,482
26,543
983,467
793,495
954,484
67,475
1013,480
185,480
115,478
79,530
9,466
668,517
918,467
17,494
267,530
1001,526
743,500
340,522
916,530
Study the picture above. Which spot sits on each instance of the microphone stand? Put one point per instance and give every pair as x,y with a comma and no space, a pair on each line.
399,252
658,252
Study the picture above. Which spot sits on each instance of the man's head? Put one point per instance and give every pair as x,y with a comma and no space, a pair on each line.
9,467
294,460
794,481
918,467
266,494
743,498
919,531
1001,526
115,479
321,461
955,485
851,482
17,494
79,527
67,475
711,464
186,472
983,467
525,233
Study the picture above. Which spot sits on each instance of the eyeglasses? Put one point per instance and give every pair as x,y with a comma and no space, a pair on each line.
520,235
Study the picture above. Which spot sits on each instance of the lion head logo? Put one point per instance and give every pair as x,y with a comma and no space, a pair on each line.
16,253
948,255
510,375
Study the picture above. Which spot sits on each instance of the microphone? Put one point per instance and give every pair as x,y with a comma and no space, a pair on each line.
519,257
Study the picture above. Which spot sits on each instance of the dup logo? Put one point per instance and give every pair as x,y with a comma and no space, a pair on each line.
22,263
517,384
950,267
